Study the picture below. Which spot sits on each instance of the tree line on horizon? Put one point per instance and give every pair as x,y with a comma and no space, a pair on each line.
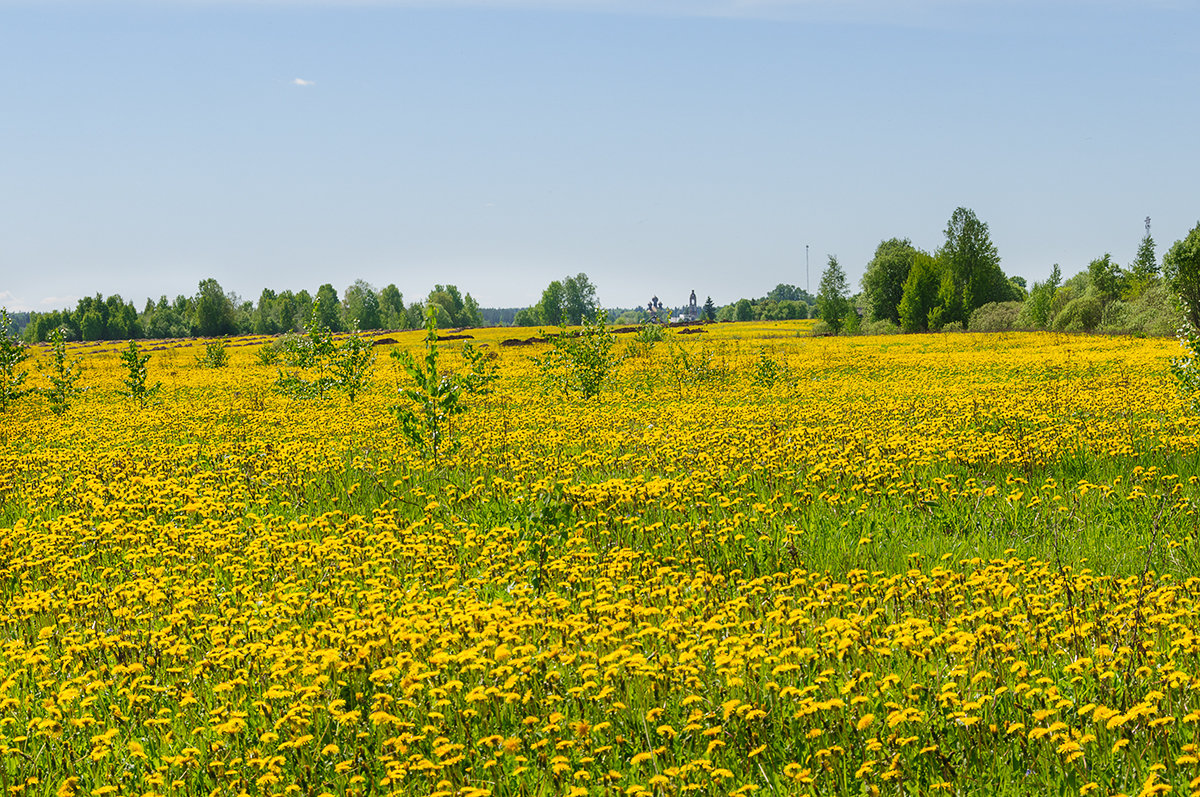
961,286
213,312
903,289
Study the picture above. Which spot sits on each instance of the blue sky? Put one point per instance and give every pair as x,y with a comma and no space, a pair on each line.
659,146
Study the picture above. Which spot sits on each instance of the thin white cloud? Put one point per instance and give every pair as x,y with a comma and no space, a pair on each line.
302,82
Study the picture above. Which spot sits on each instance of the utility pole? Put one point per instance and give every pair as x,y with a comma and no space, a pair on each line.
807,284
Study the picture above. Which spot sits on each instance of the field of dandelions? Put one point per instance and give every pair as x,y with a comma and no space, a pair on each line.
757,563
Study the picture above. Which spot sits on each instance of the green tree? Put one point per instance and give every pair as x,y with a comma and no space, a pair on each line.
361,305
214,310
1187,368
550,308
743,310
391,308
287,309
920,293
266,319
63,374
304,305
1143,271
883,282
471,316
327,306
164,321
1037,312
42,324
579,300
121,319
949,306
1107,278
1181,267
970,259
415,315
329,364
526,317
851,322
352,361
832,298
91,325
710,310
453,308
788,293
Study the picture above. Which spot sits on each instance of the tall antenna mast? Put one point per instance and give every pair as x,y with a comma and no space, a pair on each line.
807,284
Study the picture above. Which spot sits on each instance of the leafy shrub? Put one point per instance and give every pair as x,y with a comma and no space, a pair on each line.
851,322
995,317
696,367
1186,369
884,326
267,354
352,361
326,364
767,370
642,344
12,354
1081,314
649,334
580,362
301,351
481,370
820,330
216,355
1153,312
136,375
427,417
63,374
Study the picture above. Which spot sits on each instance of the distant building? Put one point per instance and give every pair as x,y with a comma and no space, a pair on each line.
657,312
692,313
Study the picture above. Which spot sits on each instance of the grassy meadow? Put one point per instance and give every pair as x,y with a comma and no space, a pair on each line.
759,562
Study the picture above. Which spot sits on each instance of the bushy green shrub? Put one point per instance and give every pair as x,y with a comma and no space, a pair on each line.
1152,313
136,376
1186,369
851,323
63,374
884,326
580,361
1081,314
427,409
268,354
767,370
216,355
995,317
696,366
328,364
650,334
